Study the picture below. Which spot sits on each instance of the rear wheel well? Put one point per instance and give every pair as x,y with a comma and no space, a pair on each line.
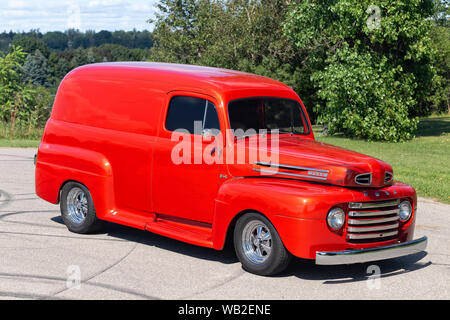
62,186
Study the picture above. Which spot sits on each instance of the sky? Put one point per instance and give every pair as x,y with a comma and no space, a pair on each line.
60,15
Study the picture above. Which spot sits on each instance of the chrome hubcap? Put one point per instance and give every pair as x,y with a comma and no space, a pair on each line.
77,205
257,241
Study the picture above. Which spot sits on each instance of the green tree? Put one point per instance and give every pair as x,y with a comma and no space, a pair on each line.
35,69
38,109
115,52
441,45
244,35
441,12
372,64
80,58
102,37
180,33
222,33
30,44
58,65
56,40
14,96
10,79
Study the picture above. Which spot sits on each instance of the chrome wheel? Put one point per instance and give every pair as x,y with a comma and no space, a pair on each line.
256,241
77,205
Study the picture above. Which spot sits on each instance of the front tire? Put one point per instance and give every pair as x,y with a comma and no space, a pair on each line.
77,209
258,246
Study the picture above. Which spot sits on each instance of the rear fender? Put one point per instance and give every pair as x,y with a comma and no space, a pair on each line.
57,164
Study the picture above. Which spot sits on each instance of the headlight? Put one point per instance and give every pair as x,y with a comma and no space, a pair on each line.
336,218
405,210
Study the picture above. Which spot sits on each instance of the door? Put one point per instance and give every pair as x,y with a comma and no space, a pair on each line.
184,184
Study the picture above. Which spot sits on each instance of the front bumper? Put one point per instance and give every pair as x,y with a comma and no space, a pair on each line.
371,254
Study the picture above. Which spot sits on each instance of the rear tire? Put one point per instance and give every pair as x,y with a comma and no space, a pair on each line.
77,209
259,247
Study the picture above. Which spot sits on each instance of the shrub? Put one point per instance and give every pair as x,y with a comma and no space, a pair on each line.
373,64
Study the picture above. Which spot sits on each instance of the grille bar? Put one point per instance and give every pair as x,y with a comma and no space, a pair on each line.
372,221
377,228
372,235
372,213
373,205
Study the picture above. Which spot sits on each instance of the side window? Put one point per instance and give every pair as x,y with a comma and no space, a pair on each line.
185,111
211,117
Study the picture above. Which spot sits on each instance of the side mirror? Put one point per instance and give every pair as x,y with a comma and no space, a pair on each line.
207,133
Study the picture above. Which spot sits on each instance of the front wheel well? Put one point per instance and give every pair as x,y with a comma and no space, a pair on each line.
229,242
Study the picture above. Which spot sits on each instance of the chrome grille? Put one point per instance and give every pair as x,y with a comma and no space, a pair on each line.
372,221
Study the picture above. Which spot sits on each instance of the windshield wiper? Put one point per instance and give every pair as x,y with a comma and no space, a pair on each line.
286,131
247,136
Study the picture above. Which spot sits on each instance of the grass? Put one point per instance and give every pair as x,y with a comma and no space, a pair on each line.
423,162
23,137
19,143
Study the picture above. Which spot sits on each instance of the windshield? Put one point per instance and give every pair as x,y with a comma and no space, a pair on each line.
255,114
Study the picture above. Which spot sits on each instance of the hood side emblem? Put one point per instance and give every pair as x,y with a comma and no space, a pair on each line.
312,173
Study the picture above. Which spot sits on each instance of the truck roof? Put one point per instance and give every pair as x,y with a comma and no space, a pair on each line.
180,74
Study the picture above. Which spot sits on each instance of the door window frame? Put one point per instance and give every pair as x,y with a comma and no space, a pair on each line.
178,93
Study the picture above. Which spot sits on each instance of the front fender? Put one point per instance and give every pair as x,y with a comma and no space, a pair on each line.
282,201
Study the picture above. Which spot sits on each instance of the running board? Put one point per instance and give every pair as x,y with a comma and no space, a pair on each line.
193,232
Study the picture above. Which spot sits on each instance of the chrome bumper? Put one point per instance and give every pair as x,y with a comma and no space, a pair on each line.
371,254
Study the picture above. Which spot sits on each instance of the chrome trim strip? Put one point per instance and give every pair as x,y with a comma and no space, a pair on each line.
364,174
353,236
289,174
285,166
372,221
368,229
372,213
372,205
371,254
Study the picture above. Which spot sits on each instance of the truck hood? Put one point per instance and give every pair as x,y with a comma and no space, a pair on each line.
307,159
